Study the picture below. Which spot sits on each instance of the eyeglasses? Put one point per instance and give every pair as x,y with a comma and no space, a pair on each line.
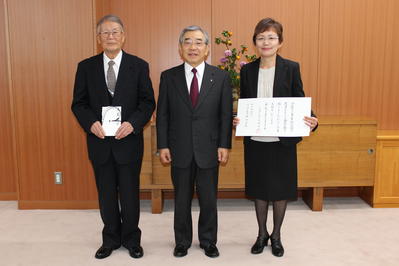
189,42
267,38
115,33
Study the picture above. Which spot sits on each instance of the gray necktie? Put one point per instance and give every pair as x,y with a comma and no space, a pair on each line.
111,79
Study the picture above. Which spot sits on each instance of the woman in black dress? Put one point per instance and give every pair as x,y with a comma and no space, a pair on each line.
271,162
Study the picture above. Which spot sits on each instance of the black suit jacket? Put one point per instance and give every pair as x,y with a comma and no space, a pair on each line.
198,131
133,91
287,83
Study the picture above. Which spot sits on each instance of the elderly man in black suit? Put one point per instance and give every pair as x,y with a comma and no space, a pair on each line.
115,78
194,120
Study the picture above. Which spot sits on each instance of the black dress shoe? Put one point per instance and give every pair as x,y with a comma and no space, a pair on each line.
180,251
136,252
277,247
260,244
211,250
103,252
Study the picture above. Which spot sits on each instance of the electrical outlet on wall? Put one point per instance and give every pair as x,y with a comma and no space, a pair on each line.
58,178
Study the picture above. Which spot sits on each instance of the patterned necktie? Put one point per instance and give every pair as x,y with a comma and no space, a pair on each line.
194,88
111,79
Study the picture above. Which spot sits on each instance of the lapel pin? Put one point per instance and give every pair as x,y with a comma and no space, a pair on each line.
211,80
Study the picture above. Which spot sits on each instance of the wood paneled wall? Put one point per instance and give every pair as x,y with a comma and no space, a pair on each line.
300,30
8,167
153,28
47,40
346,48
343,69
358,50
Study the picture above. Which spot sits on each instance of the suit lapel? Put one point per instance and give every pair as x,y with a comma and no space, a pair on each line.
279,77
181,85
253,75
206,85
122,76
101,84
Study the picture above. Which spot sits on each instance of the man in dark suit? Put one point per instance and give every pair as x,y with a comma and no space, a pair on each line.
115,78
194,120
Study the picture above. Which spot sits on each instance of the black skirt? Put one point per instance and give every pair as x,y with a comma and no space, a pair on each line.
270,170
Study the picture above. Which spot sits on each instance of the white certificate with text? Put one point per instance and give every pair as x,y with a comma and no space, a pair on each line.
111,119
274,117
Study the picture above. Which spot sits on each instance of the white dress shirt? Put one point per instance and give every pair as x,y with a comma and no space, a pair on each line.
189,75
116,66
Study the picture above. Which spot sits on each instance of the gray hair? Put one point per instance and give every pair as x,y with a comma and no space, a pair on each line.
110,17
193,28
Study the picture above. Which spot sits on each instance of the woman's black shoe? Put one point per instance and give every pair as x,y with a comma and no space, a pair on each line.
260,244
277,247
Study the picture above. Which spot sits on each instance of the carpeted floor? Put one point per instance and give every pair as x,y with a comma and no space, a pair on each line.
346,232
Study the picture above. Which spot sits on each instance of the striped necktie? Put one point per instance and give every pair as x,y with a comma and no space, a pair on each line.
194,88
111,78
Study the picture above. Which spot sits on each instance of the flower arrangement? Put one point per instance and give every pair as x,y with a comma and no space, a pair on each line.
232,60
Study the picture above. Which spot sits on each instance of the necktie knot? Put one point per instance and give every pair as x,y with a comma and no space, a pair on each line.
194,71
111,63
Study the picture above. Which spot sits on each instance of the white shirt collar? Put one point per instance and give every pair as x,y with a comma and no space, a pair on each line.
200,69
117,59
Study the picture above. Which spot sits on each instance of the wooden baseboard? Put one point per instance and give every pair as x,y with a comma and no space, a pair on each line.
167,194
240,194
67,204
57,204
386,205
8,196
342,192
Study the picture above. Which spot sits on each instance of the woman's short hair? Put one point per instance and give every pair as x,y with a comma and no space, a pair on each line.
268,24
